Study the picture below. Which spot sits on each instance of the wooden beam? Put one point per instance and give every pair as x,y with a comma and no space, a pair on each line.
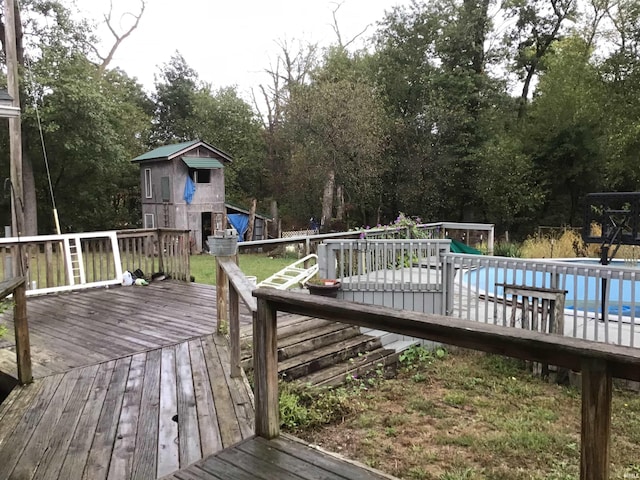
596,420
21,326
265,367
234,331
238,278
222,292
624,362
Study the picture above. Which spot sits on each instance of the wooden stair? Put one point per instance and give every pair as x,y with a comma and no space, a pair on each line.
322,352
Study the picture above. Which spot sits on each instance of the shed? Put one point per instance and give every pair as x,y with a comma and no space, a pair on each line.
182,187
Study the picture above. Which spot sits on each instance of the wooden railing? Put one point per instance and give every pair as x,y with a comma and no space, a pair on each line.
160,250
17,287
598,362
45,266
232,287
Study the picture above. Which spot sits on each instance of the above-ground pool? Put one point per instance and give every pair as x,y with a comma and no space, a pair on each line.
583,292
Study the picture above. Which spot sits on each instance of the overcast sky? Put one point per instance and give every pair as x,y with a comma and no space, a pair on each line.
228,42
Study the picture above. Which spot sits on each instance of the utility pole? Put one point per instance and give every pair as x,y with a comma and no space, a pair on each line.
15,134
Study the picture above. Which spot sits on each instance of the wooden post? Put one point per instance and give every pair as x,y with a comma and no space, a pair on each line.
222,291
15,131
187,259
160,251
234,330
265,367
596,420
23,346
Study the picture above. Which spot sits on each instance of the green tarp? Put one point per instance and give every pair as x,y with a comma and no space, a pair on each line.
459,247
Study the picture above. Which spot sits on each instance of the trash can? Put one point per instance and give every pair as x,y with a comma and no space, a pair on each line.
223,243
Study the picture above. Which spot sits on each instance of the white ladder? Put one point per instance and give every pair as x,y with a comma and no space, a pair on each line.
73,256
292,275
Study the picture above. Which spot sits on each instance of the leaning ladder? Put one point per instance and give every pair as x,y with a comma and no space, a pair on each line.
73,257
292,275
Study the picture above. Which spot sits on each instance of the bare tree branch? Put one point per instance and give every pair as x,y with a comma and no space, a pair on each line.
336,28
106,60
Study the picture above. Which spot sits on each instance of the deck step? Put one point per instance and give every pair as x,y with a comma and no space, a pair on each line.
310,362
322,352
308,341
289,327
354,368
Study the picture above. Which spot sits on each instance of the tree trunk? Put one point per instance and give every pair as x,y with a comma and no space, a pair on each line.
327,199
252,220
340,200
274,224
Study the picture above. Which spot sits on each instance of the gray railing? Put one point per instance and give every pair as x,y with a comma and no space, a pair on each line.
401,273
477,293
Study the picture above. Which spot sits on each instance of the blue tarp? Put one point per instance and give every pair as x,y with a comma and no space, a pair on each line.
189,190
240,222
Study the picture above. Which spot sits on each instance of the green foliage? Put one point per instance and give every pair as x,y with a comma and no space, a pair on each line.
416,357
307,407
507,249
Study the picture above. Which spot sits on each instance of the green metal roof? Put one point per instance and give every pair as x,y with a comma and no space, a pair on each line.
165,151
199,162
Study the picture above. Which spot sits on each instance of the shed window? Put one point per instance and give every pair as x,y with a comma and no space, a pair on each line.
148,191
149,220
200,175
164,188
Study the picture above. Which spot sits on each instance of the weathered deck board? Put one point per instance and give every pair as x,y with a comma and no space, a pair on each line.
283,458
98,325
132,418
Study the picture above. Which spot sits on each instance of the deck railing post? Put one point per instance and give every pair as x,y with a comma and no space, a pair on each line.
447,283
161,266
596,420
23,346
222,292
265,367
234,330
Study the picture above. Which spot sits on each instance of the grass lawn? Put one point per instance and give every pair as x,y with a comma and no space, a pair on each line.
473,416
203,267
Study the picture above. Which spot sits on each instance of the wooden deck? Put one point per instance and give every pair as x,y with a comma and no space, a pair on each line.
92,326
131,383
283,458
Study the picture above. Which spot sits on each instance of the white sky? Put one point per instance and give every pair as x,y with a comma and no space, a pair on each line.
228,42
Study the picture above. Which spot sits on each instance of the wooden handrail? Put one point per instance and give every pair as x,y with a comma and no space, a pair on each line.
8,286
598,362
17,286
232,284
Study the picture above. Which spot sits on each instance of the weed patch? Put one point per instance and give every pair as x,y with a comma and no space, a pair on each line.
475,416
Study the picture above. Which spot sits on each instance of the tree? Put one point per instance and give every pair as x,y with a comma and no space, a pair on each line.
563,132
337,133
227,121
431,64
537,26
93,125
175,102
55,40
